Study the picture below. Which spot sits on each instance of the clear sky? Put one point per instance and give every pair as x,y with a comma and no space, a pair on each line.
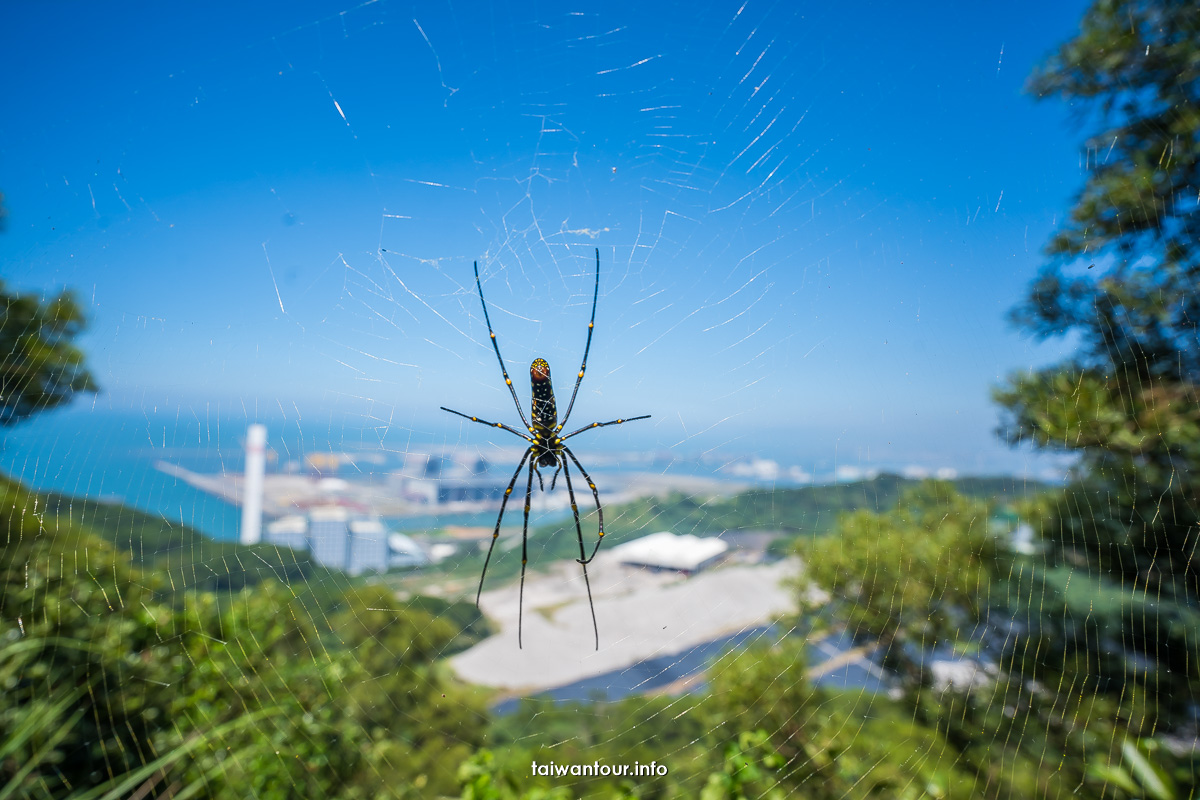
811,217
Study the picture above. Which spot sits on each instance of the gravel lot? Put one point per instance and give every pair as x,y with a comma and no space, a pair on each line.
641,614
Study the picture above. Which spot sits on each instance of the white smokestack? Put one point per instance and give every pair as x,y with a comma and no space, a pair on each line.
252,486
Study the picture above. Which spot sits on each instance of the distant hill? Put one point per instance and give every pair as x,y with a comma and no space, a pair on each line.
808,509
190,561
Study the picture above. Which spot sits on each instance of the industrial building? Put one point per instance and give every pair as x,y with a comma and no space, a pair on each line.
668,552
407,553
342,540
369,550
435,480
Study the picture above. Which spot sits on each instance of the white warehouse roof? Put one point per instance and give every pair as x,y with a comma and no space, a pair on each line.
293,523
665,550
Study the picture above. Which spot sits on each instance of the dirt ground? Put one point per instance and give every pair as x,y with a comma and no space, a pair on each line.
641,615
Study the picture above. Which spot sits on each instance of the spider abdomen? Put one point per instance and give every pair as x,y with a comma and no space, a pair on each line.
545,412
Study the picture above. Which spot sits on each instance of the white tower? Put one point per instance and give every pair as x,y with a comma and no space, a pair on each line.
252,486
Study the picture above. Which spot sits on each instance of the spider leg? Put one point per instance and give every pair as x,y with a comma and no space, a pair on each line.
603,425
579,534
554,477
524,556
586,347
599,508
500,425
492,335
496,533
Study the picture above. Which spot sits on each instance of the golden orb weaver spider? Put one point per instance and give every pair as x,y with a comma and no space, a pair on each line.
547,448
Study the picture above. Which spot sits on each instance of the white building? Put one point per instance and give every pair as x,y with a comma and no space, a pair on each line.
432,480
666,551
339,540
289,532
329,536
368,546
407,553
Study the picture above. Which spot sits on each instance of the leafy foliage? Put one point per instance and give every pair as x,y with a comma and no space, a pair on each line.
245,693
912,579
1128,404
1040,657
748,761
40,367
1134,66
636,730
183,559
249,692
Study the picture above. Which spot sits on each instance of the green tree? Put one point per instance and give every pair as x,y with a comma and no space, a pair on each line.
113,682
911,579
40,367
816,743
1104,628
1122,277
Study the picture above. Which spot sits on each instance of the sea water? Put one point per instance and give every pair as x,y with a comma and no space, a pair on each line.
110,455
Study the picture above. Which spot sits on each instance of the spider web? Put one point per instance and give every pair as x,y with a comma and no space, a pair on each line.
805,254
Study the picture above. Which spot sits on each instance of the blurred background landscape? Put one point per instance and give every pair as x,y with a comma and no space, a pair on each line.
908,294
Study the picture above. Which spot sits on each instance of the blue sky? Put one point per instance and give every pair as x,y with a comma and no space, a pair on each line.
811,220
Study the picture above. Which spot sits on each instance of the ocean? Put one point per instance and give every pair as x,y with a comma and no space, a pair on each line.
110,455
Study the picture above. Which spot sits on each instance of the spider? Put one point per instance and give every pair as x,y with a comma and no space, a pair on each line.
547,448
